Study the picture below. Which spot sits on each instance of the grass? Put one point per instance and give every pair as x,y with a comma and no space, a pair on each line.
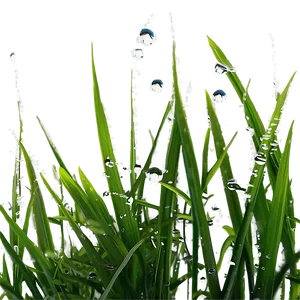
138,257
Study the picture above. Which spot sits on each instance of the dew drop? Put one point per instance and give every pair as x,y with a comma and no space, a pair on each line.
232,263
188,258
16,248
220,69
268,256
108,162
204,196
211,271
137,53
156,85
110,267
154,174
13,57
106,193
215,208
92,275
129,201
233,186
219,96
260,158
210,222
176,232
251,130
146,37
137,169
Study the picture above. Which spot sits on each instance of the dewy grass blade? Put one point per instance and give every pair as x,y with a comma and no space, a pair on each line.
130,234
266,272
132,139
177,191
217,164
168,203
195,189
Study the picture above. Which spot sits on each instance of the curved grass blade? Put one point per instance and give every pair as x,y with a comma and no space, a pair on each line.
177,191
218,163
227,243
195,189
265,277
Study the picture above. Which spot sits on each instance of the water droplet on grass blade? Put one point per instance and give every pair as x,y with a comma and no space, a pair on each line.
137,53
13,57
211,271
188,258
110,267
156,85
260,158
233,185
108,162
220,69
154,174
137,169
147,37
219,96
106,193
92,275
215,208
210,222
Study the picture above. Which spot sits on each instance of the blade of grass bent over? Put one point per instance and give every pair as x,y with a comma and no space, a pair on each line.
195,189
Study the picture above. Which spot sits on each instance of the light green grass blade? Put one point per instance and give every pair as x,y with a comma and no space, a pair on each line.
205,161
270,245
177,191
195,189
224,248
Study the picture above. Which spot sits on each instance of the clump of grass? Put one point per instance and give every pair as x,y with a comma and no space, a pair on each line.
138,257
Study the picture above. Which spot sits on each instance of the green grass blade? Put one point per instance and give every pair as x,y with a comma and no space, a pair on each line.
218,163
195,189
120,269
44,235
9,290
130,234
270,246
177,191
5,273
33,250
27,275
205,161
224,248
132,140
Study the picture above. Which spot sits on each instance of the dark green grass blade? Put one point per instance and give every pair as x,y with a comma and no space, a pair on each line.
5,273
270,246
205,161
195,189
9,290
224,248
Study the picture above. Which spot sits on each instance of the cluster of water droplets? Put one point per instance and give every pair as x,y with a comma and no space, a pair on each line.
276,81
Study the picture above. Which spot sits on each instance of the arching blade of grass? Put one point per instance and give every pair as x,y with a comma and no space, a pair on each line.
192,173
130,234
270,244
27,275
